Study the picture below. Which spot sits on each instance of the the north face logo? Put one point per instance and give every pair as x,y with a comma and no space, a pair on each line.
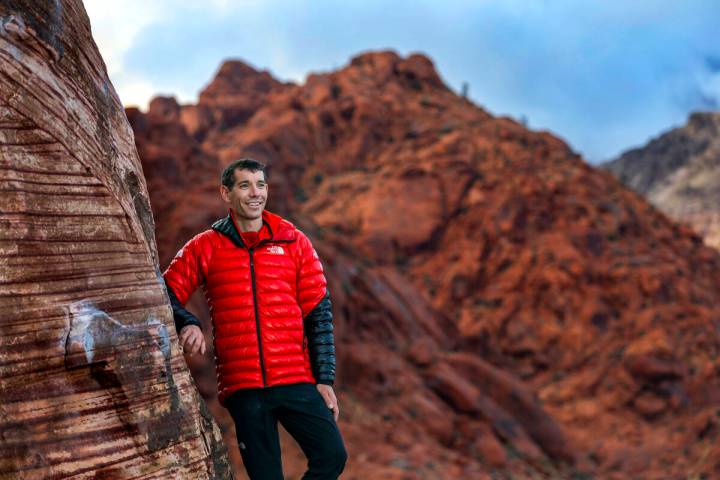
276,250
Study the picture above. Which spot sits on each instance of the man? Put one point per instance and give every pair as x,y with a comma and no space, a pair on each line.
272,321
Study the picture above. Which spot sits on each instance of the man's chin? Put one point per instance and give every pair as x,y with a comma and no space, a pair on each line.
250,215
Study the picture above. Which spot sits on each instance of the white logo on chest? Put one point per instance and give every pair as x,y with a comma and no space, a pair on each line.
276,250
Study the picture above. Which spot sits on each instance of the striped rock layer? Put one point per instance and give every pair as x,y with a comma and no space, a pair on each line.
92,383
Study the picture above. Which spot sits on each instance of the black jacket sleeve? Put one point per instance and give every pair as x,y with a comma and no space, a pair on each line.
321,343
182,317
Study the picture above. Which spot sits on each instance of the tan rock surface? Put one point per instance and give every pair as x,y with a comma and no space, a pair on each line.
92,384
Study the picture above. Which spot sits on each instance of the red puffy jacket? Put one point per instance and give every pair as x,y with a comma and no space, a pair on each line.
257,297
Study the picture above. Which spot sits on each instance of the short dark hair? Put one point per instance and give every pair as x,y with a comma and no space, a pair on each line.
228,175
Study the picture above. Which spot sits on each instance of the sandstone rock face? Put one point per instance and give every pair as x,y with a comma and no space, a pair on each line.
92,384
679,172
502,308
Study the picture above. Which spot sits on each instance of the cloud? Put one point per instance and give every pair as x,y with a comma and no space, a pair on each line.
602,75
115,28
713,63
118,27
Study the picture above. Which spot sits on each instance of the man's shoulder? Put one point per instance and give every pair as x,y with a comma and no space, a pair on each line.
197,247
289,230
206,234
220,224
281,227
203,238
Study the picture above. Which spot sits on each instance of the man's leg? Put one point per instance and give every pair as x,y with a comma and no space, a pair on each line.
257,433
303,413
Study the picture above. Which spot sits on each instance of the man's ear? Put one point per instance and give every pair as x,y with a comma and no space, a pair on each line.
225,193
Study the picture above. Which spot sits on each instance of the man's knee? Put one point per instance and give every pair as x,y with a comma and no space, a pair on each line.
340,457
331,462
337,458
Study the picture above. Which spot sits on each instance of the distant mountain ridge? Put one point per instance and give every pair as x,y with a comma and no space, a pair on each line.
679,172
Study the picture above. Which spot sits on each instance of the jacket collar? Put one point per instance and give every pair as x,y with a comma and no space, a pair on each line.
280,229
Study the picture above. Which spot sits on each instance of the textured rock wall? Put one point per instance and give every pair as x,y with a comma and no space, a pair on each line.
92,384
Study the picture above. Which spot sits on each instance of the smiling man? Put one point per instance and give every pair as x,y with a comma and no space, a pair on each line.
272,322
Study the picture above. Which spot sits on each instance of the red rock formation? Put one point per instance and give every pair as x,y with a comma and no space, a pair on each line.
502,307
92,384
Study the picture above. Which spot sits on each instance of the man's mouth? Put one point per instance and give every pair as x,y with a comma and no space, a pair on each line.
254,204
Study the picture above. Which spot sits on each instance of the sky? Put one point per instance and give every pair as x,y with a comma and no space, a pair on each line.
605,76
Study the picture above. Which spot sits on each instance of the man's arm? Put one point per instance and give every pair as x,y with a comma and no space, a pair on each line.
314,300
182,278
182,316
321,341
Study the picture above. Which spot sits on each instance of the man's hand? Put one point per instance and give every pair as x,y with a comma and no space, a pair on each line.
192,340
327,393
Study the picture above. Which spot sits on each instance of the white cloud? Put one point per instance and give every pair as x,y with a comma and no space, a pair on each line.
137,92
710,87
601,74
114,27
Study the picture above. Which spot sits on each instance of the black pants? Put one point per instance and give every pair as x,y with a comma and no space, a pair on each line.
303,413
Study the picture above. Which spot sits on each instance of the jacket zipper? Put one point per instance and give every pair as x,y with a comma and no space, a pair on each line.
257,317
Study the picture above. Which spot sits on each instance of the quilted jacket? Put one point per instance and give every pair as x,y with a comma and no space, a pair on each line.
269,304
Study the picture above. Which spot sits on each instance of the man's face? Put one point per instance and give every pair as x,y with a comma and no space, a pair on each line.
248,196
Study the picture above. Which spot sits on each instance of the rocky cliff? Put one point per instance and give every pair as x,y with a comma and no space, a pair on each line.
503,308
679,172
92,383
